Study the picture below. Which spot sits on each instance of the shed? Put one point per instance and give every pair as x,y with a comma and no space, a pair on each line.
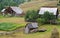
31,26
13,10
53,10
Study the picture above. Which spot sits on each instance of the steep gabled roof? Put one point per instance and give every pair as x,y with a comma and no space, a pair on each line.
51,10
17,10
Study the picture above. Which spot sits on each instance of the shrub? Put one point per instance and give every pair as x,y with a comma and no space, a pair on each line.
31,16
47,16
55,33
40,21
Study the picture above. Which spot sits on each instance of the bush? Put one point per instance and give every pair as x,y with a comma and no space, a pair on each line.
46,18
40,21
31,16
55,33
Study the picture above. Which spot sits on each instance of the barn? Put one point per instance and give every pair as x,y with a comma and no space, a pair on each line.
53,10
16,11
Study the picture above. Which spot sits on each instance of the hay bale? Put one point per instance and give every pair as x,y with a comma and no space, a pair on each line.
55,33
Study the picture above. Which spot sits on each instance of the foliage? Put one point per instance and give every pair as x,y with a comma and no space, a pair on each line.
55,33
31,15
47,17
4,3
40,21
9,26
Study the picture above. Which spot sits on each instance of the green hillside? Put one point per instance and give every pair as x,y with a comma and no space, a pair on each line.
36,4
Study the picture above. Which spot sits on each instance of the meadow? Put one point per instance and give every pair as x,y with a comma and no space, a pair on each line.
12,23
46,34
10,26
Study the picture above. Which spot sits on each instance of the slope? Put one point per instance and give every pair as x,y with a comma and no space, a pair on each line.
35,5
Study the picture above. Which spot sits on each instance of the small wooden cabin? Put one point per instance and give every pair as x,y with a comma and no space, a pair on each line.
16,11
31,26
51,9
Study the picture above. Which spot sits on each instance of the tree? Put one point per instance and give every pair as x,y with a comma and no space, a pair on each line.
31,15
47,17
4,3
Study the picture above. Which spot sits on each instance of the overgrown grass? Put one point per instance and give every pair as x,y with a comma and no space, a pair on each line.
10,26
46,34
1,16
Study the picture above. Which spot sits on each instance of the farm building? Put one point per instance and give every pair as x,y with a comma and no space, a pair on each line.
31,27
53,10
15,11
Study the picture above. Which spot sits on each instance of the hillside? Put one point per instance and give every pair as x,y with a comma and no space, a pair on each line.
35,5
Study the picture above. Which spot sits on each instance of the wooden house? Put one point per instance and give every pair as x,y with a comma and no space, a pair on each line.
15,11
50,9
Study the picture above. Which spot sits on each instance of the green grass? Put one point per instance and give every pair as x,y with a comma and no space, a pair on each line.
1,16
46,34
10,26
13,26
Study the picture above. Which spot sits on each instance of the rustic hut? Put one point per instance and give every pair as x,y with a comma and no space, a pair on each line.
16,11
31,27
53,10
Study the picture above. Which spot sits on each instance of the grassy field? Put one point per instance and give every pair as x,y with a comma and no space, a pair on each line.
19,22
21,34
35,5
46,34
11,23
10,26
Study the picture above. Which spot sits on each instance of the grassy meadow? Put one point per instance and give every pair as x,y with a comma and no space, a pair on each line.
46,34
12,23
35,5
10,26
